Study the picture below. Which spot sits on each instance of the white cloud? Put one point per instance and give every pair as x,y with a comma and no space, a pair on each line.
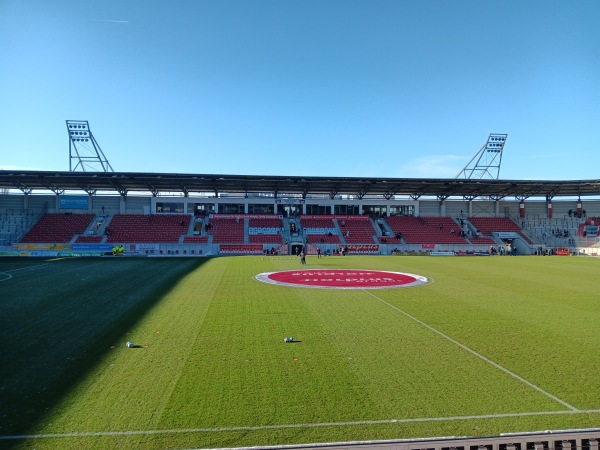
113,21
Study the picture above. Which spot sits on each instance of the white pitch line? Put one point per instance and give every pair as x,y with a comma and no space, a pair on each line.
289,426
479,355
9,276
28,267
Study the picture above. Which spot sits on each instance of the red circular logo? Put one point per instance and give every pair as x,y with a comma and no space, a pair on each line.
342,279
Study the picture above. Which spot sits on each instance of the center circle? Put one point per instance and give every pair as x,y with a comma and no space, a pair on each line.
342,279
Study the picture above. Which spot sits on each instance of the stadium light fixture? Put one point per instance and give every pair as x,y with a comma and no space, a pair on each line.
486,162
85,153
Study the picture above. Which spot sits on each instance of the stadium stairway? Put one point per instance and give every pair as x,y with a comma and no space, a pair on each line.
190,231
92,232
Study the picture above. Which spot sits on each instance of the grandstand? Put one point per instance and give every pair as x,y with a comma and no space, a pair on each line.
473,216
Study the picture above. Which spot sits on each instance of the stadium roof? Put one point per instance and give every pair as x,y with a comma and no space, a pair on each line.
186,184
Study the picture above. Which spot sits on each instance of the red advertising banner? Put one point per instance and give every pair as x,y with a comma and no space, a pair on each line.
564,251
310,216
244,216
367,248
428,246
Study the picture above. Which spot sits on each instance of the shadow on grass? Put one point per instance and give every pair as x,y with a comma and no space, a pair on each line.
57,323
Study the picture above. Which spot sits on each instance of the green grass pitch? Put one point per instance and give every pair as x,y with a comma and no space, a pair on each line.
489,345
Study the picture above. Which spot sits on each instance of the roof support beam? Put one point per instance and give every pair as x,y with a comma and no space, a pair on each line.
56,190
88,190
24,189
360,194
120,189
152,189
389,194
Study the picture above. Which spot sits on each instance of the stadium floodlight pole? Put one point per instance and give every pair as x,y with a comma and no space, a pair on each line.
84,149
486,162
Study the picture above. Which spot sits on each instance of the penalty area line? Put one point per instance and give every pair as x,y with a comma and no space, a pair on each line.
479,355
290,426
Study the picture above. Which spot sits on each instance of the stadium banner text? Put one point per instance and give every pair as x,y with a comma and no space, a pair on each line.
92,247
42,247
73,202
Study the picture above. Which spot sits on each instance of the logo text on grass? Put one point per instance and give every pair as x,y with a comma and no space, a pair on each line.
342,279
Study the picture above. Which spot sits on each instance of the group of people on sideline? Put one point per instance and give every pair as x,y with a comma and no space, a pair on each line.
503,251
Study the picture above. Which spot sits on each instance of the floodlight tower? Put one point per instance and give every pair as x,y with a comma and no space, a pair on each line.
84,149
486,162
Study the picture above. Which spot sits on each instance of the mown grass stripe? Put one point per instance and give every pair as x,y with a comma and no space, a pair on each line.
479,355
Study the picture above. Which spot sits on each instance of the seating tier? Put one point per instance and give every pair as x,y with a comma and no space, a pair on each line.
265,238
227,229
489,225
145,228
88,239
426,230
195,239
357,230
323,239
58,228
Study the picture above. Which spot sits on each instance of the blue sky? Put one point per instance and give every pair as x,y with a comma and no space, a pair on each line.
323,88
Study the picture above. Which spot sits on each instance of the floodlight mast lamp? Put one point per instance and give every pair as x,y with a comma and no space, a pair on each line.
486,162
85,153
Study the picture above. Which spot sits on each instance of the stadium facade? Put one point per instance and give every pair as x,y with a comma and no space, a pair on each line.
548,215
